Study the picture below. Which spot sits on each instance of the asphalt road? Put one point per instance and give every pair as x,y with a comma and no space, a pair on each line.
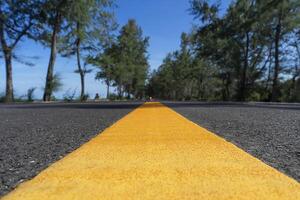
154,153
32,136
270,132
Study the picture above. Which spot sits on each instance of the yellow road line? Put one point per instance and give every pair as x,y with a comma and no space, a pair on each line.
155,153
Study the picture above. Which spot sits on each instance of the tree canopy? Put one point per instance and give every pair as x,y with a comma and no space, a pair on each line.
125,63
247,54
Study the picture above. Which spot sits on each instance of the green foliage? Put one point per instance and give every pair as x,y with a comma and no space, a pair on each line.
106,64
85,97
18,19
250,53
124,64
2,97
183,76
56,83
132,60
91,27
91,24
71,27
115,97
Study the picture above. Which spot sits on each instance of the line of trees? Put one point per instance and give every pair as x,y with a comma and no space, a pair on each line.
124,64
67,27
249,53
81,29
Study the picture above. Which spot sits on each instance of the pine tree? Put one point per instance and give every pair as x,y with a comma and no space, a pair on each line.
17,20
91,29
132,61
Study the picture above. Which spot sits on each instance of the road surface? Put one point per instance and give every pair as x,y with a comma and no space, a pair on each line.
150,131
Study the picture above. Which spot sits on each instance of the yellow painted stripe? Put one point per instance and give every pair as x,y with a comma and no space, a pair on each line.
154,153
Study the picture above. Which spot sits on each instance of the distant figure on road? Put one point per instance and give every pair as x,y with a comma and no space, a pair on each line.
97,97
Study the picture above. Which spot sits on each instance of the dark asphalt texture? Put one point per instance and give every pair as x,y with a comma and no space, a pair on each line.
32,136
270,132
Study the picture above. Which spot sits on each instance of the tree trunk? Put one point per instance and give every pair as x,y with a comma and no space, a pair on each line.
81,72
9,97
49,77
200,92
275,88
7,52
226,81
120,92
292,88
224,89
242,92
128,95
107,89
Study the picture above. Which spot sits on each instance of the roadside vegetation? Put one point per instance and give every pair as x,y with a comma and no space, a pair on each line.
250,52
124,64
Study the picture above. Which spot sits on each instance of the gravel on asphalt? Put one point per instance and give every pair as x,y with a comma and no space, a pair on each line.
270,132
32,136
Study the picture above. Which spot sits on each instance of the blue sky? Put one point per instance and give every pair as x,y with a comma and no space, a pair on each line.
162,20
